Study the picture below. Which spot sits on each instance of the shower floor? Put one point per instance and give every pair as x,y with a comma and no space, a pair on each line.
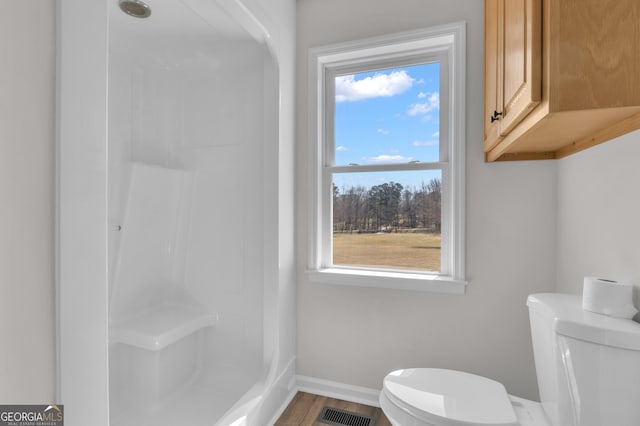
199,403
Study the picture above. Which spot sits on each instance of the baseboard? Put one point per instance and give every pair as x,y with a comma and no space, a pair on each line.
331,389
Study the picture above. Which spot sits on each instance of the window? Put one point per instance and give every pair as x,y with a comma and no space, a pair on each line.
387,164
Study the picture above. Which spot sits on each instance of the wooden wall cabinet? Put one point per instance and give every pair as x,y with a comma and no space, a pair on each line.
560,76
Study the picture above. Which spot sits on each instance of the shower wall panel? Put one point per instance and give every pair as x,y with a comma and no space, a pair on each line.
203,112
204,87
149,262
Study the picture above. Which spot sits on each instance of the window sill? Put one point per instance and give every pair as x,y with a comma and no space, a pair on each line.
389,280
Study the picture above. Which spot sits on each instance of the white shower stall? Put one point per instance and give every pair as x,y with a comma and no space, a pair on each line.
175,278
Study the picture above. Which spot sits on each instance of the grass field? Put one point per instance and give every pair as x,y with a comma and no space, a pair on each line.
388,250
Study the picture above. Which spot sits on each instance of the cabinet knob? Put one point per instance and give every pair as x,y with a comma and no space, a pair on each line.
496,116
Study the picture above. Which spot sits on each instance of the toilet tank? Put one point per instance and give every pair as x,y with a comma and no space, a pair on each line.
587,364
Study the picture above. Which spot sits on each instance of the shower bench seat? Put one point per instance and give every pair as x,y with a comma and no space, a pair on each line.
159,327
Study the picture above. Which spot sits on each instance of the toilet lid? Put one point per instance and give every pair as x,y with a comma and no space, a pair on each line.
448,397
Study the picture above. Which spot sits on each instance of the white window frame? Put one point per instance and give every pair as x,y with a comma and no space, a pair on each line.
446,44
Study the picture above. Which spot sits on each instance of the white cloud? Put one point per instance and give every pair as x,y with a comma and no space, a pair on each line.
422,95
432,104
341,148
383,131
435,135
348,89
425,143
384,158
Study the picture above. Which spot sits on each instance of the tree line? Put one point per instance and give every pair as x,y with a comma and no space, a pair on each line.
387,207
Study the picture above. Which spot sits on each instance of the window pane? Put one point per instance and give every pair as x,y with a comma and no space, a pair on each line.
388,116
387,220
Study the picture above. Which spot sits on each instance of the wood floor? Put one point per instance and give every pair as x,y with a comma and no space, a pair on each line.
304,409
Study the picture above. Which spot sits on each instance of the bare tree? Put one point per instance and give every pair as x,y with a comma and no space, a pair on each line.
388,205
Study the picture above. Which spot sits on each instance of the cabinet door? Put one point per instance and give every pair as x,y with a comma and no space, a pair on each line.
520,47
491,66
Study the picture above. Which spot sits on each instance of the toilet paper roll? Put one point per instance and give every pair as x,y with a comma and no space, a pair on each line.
608,297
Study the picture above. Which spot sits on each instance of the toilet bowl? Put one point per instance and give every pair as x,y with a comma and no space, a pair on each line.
587,366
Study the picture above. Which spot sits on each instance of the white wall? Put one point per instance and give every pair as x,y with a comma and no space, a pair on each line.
599,215
357,335
27,322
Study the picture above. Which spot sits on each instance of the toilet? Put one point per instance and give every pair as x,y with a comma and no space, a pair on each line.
587,366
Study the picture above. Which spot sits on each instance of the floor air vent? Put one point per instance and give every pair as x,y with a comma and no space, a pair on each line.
336,417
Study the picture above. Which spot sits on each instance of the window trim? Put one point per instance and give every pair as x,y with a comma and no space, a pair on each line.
396,50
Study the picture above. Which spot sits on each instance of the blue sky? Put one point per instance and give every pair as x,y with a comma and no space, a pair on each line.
388,116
